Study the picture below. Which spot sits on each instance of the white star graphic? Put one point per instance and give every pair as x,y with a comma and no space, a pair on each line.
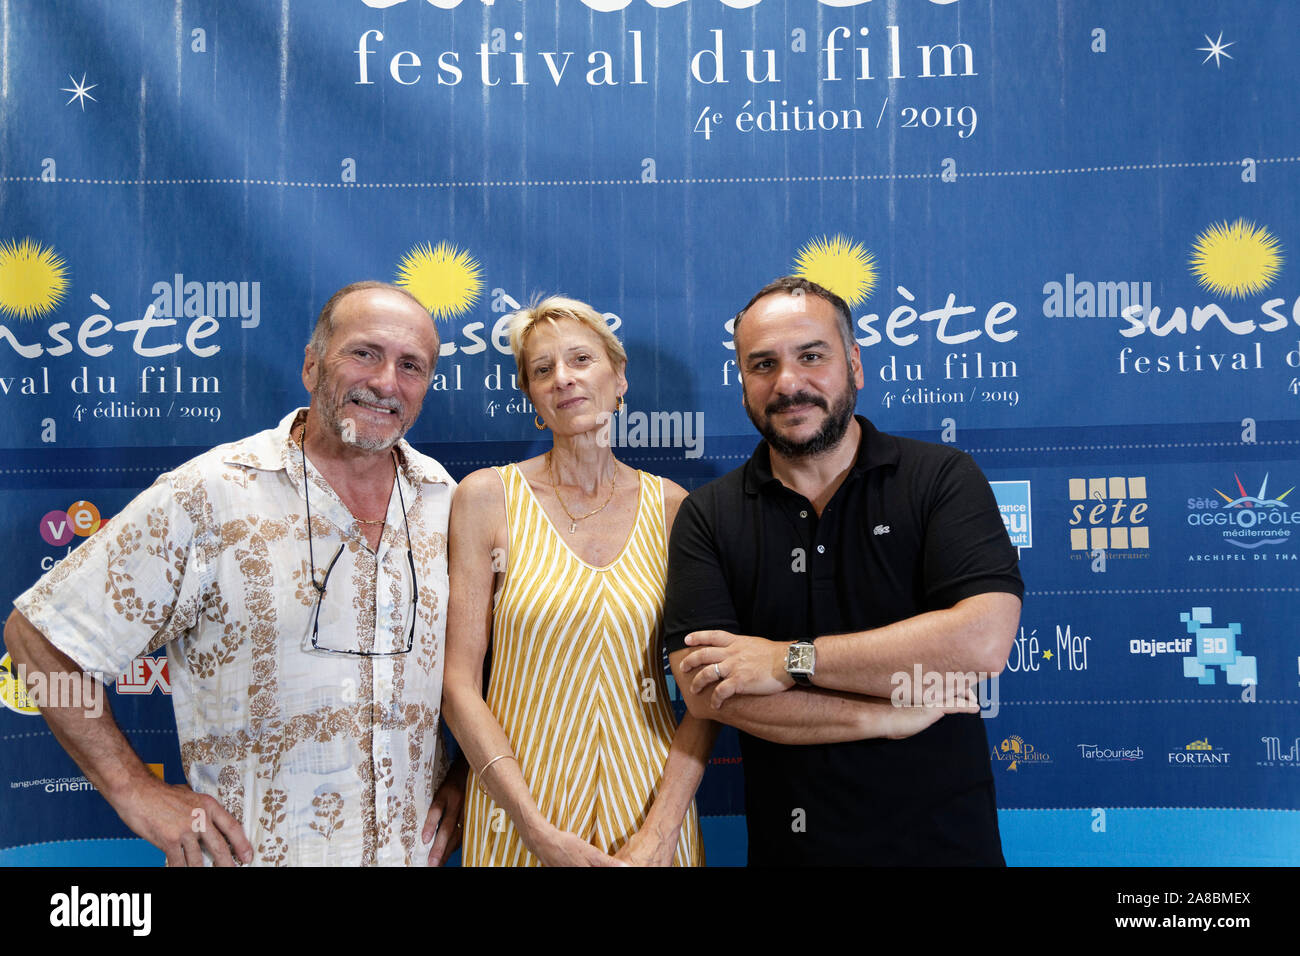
1216,49
80,91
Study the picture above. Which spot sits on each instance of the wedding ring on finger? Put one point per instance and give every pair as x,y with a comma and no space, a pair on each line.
717,672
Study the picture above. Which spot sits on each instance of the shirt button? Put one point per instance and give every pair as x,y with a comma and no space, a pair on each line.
821,549
803,514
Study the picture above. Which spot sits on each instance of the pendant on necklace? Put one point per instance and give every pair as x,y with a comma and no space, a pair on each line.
573,527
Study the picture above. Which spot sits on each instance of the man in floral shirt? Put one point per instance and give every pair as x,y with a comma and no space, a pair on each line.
298,579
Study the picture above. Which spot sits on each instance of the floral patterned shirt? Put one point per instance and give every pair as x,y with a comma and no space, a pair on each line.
325,758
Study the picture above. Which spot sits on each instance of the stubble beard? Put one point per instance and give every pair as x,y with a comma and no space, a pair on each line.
827,437
346,428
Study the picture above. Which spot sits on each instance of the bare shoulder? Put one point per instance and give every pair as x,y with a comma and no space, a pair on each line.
674,495
534,469
479,505
479,488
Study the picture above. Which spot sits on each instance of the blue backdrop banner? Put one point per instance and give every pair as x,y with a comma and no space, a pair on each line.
1066,233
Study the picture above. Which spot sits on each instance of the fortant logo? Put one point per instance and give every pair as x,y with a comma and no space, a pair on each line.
1246,521
81,519
1199,752
1110,516
1015,753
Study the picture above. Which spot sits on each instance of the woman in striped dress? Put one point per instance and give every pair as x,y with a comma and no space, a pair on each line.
558,564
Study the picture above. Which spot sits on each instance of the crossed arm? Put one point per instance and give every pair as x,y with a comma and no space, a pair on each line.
741,680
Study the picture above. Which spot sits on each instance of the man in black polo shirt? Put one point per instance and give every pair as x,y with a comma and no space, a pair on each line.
885,553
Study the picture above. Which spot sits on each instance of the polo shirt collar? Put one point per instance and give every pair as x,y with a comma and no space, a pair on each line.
875,450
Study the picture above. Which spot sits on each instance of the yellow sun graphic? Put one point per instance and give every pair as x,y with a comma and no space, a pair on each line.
1235,260
839,264
446,280
33,278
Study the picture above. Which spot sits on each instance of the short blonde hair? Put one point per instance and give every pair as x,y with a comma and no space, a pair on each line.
552,309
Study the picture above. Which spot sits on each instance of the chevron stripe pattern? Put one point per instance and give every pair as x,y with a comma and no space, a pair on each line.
578,683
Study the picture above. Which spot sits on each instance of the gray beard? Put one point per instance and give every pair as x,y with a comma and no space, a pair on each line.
340,427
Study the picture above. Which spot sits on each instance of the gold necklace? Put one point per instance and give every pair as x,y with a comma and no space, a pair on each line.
302,444
573,522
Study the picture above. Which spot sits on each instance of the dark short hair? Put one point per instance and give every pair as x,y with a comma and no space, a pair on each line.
798,285
325,322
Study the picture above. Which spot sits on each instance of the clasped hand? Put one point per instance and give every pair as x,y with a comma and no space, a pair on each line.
736,664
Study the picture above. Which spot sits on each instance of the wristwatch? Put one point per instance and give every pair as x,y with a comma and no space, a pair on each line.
801,662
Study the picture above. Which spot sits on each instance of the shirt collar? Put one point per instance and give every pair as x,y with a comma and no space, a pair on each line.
875,450
276,450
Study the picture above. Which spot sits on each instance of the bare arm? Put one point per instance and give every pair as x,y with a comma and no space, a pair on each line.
656,842
698,592
806,715
476,554
974,636
180,822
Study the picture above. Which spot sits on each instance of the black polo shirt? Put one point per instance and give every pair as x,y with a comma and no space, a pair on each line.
913,528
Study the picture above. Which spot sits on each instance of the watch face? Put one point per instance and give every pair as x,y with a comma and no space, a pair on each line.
800,658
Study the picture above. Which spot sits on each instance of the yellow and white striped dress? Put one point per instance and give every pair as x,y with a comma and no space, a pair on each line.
578,684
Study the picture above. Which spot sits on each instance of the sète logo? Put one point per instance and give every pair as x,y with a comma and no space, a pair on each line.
81,519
